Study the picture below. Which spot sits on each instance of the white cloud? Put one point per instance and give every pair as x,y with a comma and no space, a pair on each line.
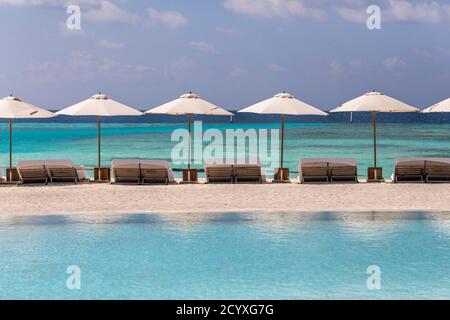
64,31
170,19
49,3
28,2
355,63
346,68
276,8
229,31
431,12
81,65
274,67
443,51
336,67
393,63
356,15
432,52
107,44
420,11
237,72
180,68
109,12
427,12
203,46
92,10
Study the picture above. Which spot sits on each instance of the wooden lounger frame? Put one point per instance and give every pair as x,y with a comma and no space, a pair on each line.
409,173
141,175
247,173
428,171
34,175
219,173
343,173
59,174
127,175
154,175
48,174
437,171
324,172
233,173
315,173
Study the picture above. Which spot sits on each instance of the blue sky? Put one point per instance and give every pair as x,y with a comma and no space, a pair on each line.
231,52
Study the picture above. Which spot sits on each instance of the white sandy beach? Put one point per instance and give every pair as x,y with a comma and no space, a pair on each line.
106,199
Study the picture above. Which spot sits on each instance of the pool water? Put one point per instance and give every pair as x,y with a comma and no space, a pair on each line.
226,256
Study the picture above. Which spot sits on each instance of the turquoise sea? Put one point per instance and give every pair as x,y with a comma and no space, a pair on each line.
76,139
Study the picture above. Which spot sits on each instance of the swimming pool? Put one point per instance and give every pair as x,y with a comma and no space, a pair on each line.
226,256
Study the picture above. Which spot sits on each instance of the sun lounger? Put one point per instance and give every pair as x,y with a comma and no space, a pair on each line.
32,173
155,171
437,170
328,170
45,171
62,171
219,173
422,170
313,171
141,171
409,169
126,171
247,173
343,170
